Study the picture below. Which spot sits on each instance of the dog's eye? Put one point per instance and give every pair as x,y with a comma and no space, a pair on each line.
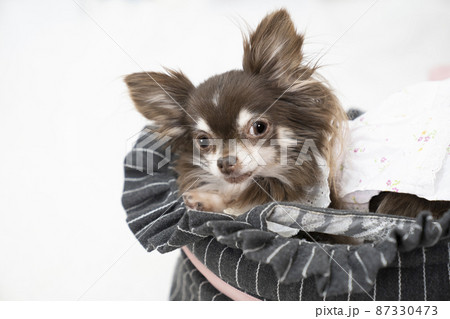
258,128
203,142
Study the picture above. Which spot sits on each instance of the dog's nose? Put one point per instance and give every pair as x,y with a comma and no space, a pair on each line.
227,164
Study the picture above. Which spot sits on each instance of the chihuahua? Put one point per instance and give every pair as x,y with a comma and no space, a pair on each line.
273,131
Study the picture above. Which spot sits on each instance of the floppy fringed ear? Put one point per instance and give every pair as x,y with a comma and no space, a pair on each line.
161,98
274,50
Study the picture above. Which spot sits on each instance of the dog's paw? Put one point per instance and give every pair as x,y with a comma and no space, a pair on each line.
204,201
191,201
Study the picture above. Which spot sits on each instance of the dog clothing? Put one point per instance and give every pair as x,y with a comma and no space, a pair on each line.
401,146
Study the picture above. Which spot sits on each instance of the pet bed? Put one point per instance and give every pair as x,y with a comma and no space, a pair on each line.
260,255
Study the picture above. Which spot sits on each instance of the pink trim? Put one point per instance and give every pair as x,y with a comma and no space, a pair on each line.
218,283
439,73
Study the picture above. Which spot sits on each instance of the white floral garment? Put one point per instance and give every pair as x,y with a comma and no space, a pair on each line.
401,146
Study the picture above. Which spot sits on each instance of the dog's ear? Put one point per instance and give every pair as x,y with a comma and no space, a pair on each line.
161,98
274,49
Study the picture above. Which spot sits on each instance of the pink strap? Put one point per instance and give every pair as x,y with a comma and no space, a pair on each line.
218,283
439,73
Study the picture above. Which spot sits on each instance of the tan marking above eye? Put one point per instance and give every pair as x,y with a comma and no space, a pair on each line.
202,125
243,118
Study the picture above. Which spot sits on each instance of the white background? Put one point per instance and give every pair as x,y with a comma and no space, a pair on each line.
66,119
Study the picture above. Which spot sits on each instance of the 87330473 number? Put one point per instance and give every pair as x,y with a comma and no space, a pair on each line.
406,310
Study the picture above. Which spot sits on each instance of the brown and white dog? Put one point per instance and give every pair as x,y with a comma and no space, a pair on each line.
250,127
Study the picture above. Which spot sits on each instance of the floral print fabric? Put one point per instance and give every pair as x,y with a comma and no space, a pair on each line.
401,146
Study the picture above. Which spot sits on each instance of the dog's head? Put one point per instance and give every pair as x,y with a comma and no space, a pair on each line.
254,122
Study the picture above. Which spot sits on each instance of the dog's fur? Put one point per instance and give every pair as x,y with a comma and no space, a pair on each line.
275,88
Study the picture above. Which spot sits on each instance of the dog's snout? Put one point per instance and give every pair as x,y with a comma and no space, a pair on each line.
227,164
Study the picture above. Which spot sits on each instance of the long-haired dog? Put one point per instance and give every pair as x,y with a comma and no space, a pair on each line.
273,131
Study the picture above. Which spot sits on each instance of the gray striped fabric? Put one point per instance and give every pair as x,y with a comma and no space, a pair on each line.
259,252
407,278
